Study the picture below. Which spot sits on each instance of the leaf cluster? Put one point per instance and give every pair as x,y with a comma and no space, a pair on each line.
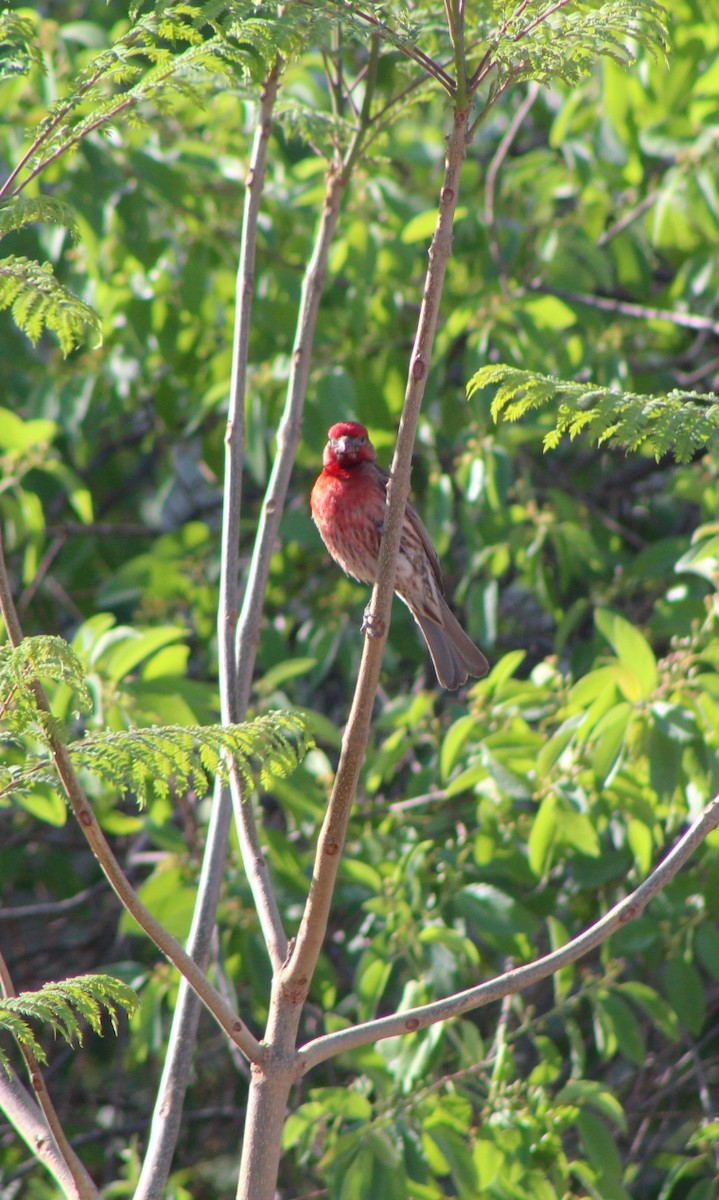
38,301
37,658
563,41
148,761
63,1006
679,423
156,761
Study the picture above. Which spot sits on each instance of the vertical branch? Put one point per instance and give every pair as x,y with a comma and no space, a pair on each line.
273,1077
82,1185
165,1125
491,180
288,436
248,631
298,972
28,1121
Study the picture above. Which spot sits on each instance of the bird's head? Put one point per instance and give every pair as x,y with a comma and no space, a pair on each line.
348,445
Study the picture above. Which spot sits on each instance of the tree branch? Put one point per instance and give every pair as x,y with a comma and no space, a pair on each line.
288,436
626,308
27,1119
491,179
298,972
518,978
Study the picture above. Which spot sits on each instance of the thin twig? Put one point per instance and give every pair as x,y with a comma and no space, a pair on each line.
52,908
491,179
626,308
519,978
435,69
234,697
169,1102
248,629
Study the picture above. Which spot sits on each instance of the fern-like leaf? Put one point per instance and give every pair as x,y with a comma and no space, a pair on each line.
679,423
18,48
64,1006
38,301
43,658
20,211
545,42
153,760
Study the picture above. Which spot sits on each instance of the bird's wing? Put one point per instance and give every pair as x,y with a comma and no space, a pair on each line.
418,528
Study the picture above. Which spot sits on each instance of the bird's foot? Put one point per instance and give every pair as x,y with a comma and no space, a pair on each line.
371,626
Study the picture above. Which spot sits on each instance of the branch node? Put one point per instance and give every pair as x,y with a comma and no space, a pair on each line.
372,626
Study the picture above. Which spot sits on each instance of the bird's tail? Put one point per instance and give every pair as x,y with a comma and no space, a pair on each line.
454,654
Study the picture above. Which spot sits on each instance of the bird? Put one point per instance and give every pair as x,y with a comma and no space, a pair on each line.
348,508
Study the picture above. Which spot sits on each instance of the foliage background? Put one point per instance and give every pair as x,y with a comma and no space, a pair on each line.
491,825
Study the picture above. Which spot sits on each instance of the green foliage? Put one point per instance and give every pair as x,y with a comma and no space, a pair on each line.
571,39
679,423
18,48
63,1006
494,824
157,760
37,659
38,301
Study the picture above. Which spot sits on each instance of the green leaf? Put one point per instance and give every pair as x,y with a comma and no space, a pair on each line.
632,650
685,992
37,302
454,740
421,227
602,1153
543,835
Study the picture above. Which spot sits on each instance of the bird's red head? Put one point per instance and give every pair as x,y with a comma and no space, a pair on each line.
348,445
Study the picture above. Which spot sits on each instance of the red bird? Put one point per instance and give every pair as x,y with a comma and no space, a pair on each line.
348,503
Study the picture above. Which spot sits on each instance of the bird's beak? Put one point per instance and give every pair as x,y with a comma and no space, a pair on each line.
342,445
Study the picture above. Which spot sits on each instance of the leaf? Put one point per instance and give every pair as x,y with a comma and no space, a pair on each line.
421,227
454,740
543,835
38,301
633,651
679,422
63,1005
685,992
602,1153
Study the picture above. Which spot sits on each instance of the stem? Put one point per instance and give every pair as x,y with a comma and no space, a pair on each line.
82,1186
491,180
273,1077
288,436
455,22
178,1061
267,1102
423,60
625,308
233,698
27,1119
518,978
298,972
169,1102
168,945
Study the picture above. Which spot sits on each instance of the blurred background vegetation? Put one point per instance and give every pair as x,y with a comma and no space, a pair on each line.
493,824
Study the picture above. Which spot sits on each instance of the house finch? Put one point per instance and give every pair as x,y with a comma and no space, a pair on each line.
348,503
